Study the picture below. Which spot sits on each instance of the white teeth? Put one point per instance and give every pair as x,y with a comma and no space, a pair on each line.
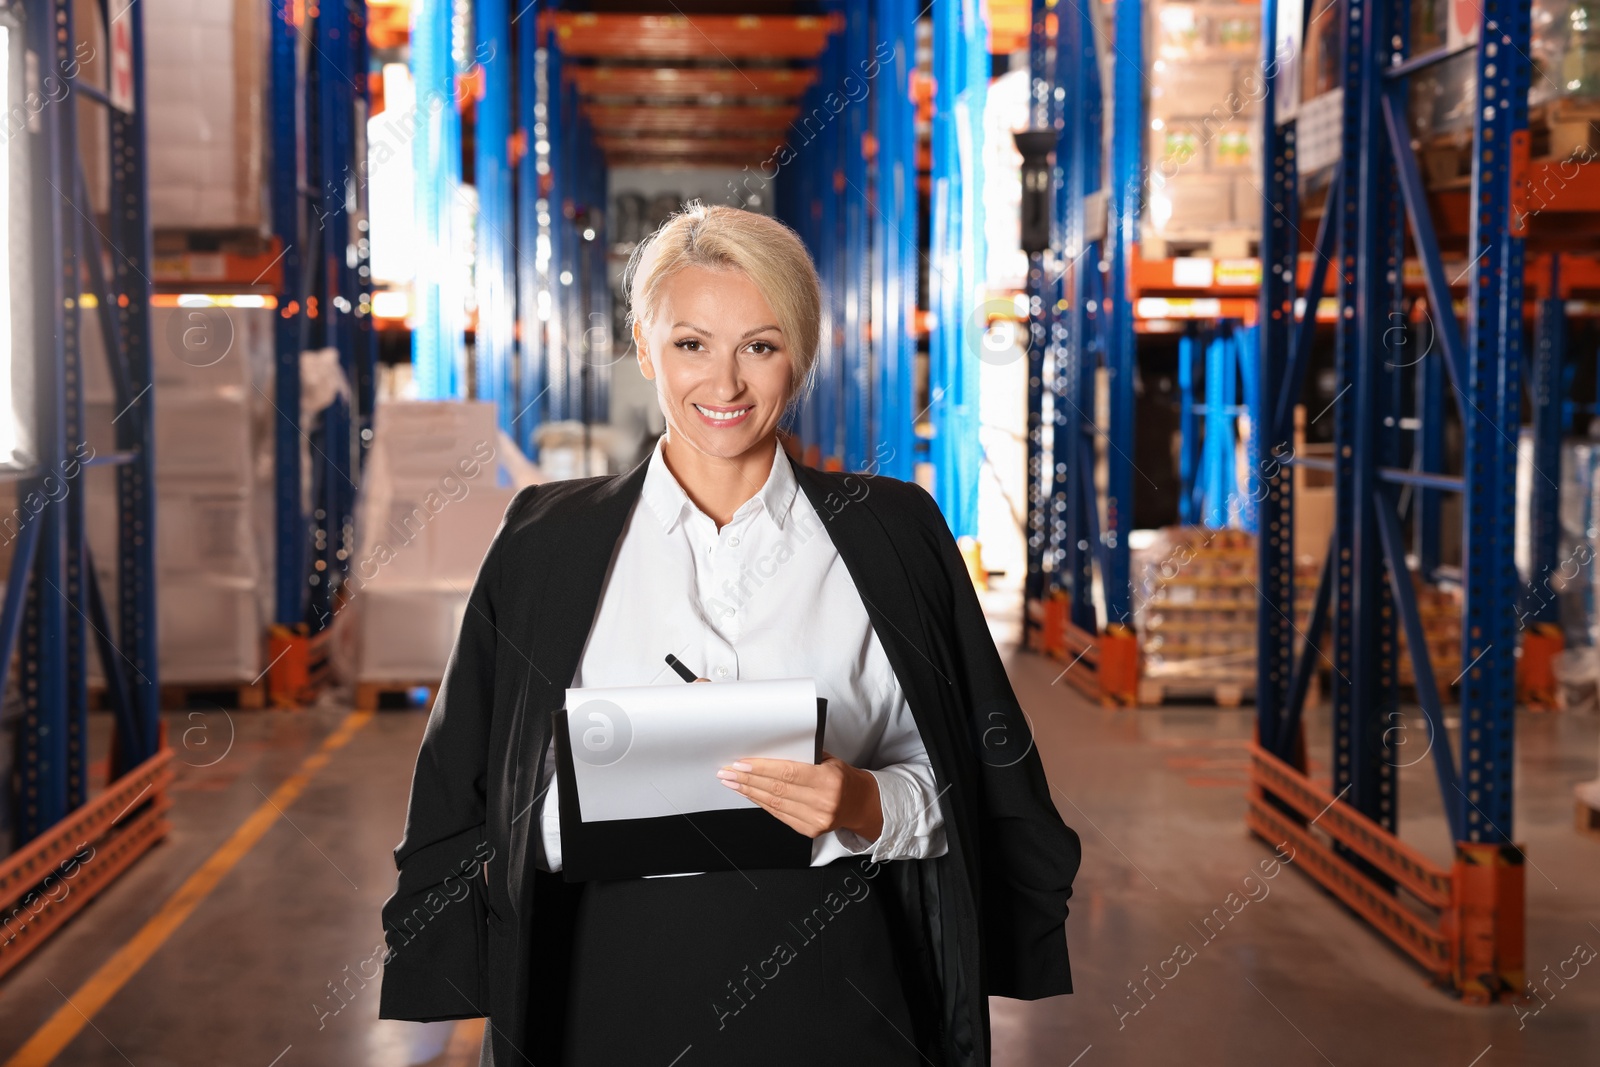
720,416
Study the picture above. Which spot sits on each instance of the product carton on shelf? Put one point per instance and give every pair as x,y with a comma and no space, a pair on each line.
438,481
205,64
211,629
406,634
204,436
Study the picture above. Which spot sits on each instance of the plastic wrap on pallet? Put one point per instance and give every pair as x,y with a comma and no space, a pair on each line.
205,82
437,484
1573,583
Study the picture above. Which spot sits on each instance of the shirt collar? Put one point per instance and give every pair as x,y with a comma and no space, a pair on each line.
666,498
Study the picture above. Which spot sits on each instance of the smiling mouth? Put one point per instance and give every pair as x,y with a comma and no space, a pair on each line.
723,416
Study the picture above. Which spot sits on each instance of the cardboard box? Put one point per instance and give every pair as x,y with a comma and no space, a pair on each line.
211,629
203,436
406,635
418,442
1192,203
1191,88
205,112
207,533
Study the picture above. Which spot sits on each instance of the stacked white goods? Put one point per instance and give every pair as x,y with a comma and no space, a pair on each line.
1206,87
214,511
205,63
437,483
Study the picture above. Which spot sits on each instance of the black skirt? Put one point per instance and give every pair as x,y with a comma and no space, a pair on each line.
770,967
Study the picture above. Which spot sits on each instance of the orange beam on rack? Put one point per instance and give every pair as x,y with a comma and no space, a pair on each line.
745,147
1009,24
689,81
733,37
693,121
388,23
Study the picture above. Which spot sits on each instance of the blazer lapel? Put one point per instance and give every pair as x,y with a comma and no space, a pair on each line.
576,560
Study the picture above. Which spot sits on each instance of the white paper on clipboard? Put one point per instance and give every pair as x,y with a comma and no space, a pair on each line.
639,752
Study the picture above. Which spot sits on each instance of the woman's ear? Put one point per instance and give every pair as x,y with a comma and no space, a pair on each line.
646,366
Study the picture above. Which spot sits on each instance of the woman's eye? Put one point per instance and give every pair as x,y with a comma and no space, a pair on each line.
688,344
761,348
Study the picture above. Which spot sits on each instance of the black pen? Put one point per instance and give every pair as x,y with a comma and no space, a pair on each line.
683,672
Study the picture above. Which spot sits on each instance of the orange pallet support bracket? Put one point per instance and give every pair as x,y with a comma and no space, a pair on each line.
1463,926
1102,666
299,664
1536,676
1119,665
51,878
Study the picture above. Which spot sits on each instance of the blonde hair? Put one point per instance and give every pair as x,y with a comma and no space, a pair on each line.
770,254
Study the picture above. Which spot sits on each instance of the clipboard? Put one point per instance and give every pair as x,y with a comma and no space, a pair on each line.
689,842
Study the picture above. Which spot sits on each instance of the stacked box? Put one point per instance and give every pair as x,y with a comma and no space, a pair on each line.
1204,120
214,504
1197,604
205,63
437,483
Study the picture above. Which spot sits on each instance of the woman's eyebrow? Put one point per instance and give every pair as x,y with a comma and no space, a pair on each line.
747,333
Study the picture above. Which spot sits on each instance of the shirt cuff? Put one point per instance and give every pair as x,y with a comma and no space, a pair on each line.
910,830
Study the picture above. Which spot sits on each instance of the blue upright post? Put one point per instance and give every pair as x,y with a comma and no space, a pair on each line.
136,488
1035,582
532,268
1127,188
439,339
496,334
894,230
1493,362
961,65
857,255
1280,246
1078,154
288,225
1188,432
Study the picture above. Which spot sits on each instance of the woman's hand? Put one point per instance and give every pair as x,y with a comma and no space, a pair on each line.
811,798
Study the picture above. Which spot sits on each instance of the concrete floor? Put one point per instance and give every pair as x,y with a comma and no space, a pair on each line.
1157,795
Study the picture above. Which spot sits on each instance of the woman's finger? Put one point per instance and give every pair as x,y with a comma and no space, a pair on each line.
802,817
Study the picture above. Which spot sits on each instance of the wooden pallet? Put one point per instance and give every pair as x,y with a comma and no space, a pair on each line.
1224,693
243,695
372,696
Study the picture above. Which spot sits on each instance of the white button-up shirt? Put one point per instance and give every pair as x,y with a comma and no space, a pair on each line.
767,596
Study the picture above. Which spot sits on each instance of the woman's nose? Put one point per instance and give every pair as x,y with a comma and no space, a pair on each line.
728,383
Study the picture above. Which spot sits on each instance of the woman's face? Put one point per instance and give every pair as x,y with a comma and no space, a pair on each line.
719,361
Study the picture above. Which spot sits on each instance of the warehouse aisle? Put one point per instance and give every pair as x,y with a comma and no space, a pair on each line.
267,969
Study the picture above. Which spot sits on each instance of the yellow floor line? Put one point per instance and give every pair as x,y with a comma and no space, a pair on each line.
54,1036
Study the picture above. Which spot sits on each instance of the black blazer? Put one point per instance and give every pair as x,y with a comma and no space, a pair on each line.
987,918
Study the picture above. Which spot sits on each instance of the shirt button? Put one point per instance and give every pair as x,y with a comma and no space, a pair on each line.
722,672
733,542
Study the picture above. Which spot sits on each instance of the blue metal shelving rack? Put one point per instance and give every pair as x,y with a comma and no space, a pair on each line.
1081,319
53,600
956,249
1376,196
318,198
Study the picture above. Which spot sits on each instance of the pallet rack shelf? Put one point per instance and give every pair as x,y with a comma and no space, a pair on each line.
88,274
1472,937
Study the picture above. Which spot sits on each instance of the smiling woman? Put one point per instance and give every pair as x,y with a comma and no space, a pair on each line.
726,313
722,550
